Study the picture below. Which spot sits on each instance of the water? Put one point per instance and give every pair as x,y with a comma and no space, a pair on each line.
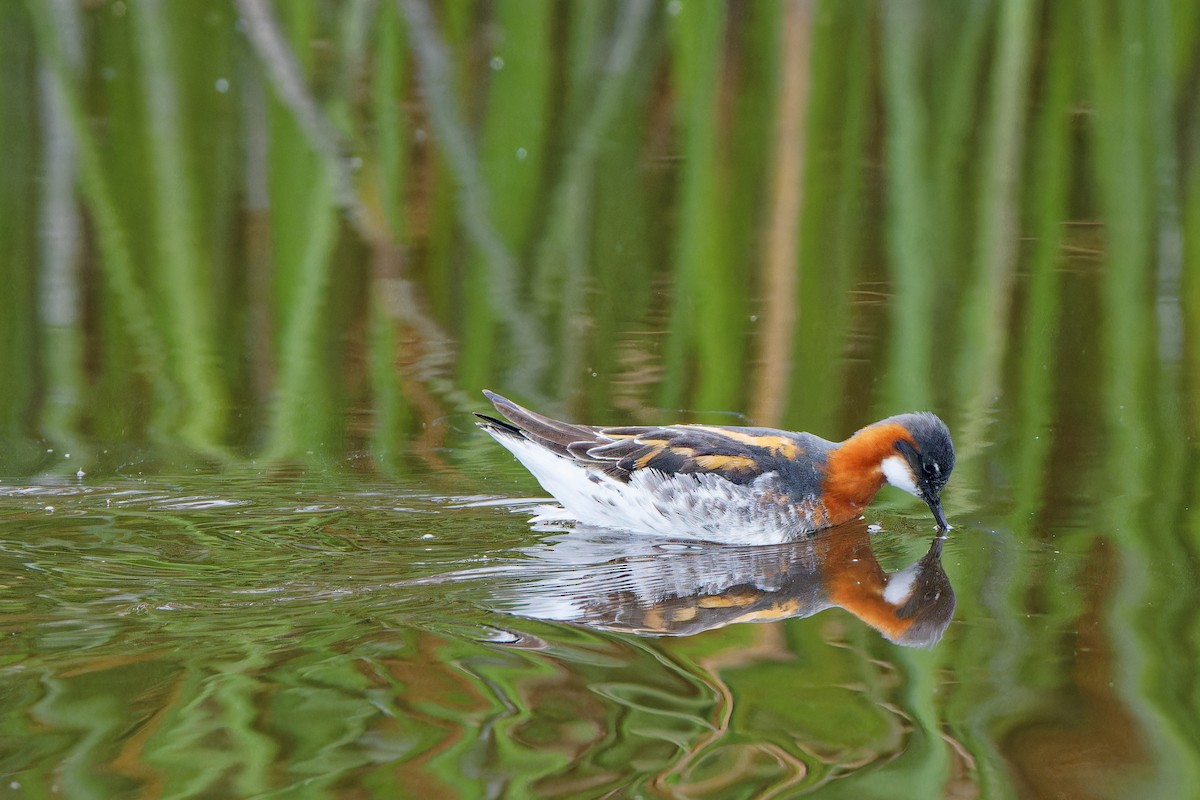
250,631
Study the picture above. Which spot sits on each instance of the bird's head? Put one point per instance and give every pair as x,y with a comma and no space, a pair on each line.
922,466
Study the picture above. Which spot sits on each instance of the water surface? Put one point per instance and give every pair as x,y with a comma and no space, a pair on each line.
254,631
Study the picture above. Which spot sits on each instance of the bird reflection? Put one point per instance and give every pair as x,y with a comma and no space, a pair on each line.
659,587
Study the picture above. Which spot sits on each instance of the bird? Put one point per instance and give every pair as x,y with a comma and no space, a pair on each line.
739,485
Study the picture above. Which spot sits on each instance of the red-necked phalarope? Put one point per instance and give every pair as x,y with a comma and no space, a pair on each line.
725,484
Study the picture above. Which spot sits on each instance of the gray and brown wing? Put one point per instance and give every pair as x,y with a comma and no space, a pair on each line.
737,454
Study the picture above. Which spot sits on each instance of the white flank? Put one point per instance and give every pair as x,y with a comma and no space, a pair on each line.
697,506
899,474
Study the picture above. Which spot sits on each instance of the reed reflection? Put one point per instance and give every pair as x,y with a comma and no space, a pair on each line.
662,587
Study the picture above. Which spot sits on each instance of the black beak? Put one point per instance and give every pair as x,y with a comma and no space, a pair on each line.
935,505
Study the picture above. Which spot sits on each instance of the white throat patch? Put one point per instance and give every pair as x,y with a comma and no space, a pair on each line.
900,585
897,472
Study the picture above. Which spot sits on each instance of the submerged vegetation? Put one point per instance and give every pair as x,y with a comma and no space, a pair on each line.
285,231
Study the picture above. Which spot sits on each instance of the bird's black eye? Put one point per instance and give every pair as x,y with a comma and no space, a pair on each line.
931,468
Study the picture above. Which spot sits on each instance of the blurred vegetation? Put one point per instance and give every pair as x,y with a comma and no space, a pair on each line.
279,228
255,229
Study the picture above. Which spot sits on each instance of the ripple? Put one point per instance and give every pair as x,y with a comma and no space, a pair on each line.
199,504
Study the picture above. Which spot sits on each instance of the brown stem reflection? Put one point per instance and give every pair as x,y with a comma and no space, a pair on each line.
660,587
779,267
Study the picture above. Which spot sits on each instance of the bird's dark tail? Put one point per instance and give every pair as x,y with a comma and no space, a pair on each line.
498,426
552,434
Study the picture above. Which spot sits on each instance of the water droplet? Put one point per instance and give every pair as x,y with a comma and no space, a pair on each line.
497,63
522,153
222,85
674,7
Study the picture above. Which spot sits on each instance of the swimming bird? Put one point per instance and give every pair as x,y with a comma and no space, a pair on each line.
725,484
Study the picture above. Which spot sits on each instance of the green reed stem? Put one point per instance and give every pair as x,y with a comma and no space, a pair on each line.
183,277
117,270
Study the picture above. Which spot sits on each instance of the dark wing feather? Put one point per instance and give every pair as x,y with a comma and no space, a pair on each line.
738,454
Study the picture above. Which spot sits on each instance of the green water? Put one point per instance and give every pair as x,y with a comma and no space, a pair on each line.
251,632
260,259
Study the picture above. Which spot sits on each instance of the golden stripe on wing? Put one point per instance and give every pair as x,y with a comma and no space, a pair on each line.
780,446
